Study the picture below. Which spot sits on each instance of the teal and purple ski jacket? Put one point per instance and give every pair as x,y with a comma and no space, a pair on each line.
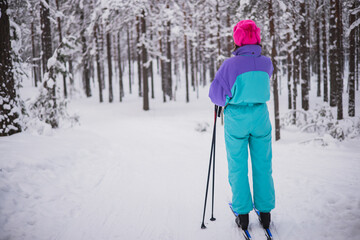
242,79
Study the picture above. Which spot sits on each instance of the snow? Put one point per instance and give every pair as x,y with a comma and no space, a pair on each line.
352,27
6,107
50,83
129,174
52,61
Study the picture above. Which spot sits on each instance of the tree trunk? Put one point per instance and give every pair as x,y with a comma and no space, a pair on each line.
357,55
151,69
218,62
72,87
295,66
191,50
108,46
212,61
138,54
229,38
340,52
8,102
144,61
324,51
317,52
129,56
304,56
169,63
33,46
289,69
274,76
186,61
333,57
121,86
352,52
101,35
60,42
98,65
85,55
45,34
162,67
357,50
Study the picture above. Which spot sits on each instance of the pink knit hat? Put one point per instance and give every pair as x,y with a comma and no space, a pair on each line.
246,32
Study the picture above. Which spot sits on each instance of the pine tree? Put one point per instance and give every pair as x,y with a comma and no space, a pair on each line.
9,113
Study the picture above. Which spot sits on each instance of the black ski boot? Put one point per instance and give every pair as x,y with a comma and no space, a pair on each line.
265,219
242,220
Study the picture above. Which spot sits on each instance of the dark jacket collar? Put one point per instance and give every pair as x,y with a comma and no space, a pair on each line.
250,50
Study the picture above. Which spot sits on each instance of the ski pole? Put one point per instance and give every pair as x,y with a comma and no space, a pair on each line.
212,157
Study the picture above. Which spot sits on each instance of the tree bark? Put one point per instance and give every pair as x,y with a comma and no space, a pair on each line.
60,42
324,56
151,69
98,64
121,86
45,34
295,65
274,76
317,52
162,69
109,59
129,56
169,63
8,117
186,61
138,54
218,62
229,38
144,61
85,55
333,56
352,51
33,46
289,69
304,56
340,52
192,74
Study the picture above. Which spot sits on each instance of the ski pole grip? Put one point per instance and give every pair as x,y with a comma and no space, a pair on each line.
219,111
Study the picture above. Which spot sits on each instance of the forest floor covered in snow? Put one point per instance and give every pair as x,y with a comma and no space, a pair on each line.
128,174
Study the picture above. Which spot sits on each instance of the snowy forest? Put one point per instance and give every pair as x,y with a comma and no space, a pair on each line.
87,47
90,90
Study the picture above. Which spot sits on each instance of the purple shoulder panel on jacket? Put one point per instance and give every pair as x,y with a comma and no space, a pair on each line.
247,58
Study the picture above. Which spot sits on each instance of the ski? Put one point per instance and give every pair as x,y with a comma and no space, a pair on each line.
268,233
245,232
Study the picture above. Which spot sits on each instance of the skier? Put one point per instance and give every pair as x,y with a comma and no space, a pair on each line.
242,87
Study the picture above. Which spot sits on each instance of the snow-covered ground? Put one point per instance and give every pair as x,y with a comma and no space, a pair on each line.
128,174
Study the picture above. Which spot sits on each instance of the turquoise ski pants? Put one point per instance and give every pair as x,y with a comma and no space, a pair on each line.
249,125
